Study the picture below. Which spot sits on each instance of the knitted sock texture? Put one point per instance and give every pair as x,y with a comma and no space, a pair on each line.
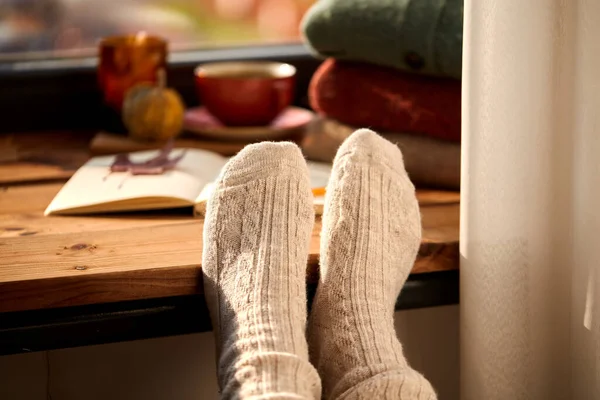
370,238
256,237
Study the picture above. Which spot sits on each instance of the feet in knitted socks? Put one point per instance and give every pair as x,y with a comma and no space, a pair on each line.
371,234
256,236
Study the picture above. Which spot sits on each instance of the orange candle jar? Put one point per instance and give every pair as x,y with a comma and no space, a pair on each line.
125,61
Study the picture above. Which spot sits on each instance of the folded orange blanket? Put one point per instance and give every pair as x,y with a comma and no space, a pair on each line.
383,98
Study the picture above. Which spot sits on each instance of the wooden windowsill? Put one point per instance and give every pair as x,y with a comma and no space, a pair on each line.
48,262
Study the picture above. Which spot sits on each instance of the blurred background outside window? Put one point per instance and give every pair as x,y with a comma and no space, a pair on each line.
72,28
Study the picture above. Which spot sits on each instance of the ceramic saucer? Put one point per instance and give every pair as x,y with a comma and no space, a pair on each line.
291,121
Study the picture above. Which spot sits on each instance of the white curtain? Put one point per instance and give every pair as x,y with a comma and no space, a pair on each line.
530,212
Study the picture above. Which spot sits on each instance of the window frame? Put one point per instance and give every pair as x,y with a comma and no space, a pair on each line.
62,94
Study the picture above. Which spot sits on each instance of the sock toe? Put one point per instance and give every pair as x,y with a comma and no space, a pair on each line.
261,160
367,145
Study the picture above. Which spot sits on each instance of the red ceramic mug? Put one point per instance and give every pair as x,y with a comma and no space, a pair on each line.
246,93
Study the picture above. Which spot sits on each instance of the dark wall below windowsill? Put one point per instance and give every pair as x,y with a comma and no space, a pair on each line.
63,94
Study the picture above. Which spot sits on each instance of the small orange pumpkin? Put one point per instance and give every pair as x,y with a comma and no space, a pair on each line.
153,112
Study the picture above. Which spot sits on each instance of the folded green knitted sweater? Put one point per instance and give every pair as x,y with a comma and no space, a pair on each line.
422,36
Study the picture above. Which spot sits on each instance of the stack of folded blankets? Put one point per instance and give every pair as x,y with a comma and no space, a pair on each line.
395,67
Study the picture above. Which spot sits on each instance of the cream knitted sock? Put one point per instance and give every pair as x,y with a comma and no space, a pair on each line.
256,236
371,234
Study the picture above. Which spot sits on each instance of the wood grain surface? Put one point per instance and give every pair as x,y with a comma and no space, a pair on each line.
64,261
34,157
107,143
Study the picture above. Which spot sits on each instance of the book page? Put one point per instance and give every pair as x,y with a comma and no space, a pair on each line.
94,184
319,177
319,174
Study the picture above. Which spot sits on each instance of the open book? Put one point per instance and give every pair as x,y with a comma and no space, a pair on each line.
95,189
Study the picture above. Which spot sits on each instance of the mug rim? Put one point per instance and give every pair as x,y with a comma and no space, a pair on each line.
216,70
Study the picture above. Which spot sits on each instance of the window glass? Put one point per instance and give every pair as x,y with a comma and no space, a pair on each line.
61,28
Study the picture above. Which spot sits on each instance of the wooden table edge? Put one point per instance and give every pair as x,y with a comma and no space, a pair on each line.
108,287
